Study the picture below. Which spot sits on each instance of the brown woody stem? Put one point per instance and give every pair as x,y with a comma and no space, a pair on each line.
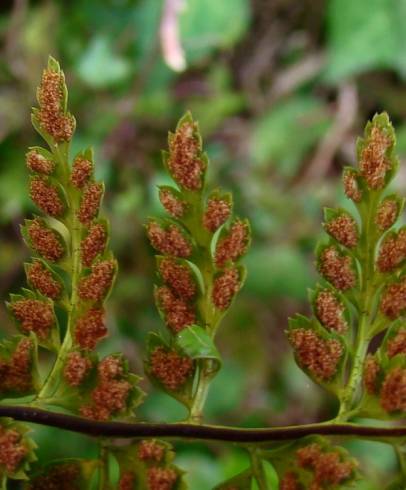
199,432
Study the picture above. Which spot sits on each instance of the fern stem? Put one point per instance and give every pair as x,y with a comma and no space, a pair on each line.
367,258
258,470
74,228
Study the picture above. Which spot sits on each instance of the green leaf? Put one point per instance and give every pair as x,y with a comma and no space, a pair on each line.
100,67
268,474
205,26
283,136
363,36
239,482
277,272
398,484
197,344
227,391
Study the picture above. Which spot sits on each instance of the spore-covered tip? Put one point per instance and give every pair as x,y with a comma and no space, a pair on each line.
376,159
53,64
185,161
52,115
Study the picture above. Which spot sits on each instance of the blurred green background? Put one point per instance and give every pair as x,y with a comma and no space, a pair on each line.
281,89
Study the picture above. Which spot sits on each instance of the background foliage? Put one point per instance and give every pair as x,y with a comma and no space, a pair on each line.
281,88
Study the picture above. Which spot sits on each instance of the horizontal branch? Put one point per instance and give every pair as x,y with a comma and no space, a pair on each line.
195,432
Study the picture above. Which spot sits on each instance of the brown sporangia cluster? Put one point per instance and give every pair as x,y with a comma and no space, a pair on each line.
152,467
388,383
337,268
319,356
95,285
82,170
225,287
170,368
161,478
330,311
34,315
127,481
38,163
387,213
374,162
46,197
392,252
151,451
184,161
42,279
351,186
393,299
15,371
370,374
393,391
233,245
93,244
170,240
52,116
216,213
344,229
173,205
63,476
76,368
178,312
90,202
45,241
178,277
90,328
289,482
397,344
110,395
328,467
175,297
12,449
321,353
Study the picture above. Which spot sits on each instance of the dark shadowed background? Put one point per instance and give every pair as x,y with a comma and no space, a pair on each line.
281,89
